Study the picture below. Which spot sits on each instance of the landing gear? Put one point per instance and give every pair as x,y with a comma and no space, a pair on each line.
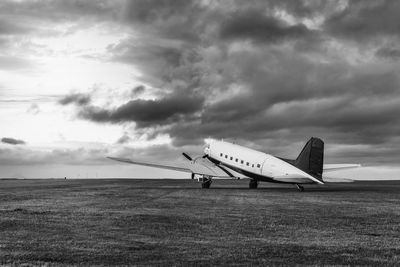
206,182
301,189
253,184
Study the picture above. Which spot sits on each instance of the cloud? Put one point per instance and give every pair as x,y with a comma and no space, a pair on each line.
146,113
12,141
10,28
158,61
76,98
137,90
388,53
166,18
124,139
365,20
257,27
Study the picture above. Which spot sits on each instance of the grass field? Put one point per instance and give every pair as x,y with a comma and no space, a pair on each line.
175,222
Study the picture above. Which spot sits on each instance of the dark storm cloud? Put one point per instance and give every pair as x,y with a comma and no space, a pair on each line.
155,60
12,141
152,10
171,19
388,53
78,99
146,112
260,28
306,82
307,9
367,19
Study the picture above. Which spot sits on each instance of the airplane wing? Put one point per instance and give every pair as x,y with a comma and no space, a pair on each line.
335,167
199,166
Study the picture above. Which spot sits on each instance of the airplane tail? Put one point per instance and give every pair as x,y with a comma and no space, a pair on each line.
311,158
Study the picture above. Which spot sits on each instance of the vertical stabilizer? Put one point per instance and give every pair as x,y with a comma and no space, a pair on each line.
311,158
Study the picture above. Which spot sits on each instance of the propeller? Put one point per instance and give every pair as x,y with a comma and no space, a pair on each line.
190,158
187,156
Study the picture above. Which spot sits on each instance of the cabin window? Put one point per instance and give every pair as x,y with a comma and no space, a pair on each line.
247,163
236,160
252,165
231,158
241,161
226,156
258,166
221,155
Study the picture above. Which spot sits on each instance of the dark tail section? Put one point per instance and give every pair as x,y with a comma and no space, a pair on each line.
311,158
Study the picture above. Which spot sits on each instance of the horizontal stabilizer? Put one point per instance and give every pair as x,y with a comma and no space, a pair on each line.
337,180
335,167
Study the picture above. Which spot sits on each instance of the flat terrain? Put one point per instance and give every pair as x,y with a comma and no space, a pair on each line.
175,222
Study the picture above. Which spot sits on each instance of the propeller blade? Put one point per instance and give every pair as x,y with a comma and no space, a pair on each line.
187,156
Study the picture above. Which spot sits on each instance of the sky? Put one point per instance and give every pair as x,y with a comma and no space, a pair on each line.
81,80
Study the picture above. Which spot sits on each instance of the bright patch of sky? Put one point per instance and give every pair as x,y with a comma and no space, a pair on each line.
74,61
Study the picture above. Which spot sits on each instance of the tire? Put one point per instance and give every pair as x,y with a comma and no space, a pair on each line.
206,184
253,184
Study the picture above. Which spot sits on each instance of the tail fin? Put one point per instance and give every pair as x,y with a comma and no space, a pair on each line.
311,158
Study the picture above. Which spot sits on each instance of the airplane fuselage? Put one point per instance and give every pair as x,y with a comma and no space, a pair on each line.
255,164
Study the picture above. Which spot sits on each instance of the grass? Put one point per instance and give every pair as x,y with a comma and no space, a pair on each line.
175,222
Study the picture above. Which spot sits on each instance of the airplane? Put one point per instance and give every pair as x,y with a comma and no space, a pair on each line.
223,159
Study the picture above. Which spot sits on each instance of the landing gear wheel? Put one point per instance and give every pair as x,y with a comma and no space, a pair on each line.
206,184
301,189
253,184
